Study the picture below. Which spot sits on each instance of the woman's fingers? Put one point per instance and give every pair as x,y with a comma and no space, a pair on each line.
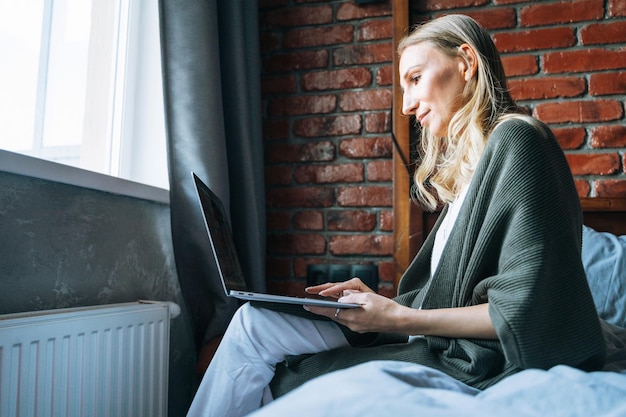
336,289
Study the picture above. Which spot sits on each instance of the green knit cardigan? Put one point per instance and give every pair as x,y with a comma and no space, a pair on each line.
516,243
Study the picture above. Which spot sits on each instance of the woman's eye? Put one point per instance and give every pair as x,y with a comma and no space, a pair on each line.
415,79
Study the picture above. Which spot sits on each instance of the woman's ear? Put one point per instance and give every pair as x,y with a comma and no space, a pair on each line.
470,59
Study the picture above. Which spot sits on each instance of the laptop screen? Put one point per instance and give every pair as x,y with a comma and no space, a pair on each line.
221,237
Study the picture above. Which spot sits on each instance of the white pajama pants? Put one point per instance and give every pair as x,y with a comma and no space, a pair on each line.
256,340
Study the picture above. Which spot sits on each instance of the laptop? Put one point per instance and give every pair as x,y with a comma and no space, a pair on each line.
223,248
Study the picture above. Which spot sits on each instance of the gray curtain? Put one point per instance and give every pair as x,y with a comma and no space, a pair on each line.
211,79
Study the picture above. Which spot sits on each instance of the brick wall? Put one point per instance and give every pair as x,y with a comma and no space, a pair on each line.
326,77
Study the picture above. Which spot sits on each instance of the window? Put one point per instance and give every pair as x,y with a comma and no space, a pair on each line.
81,85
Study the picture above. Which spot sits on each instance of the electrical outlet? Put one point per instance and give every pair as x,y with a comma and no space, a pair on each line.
338,273
366,273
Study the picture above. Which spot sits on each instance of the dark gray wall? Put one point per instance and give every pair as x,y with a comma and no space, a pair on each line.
67,246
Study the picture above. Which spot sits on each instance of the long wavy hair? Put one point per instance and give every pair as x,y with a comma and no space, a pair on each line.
446,164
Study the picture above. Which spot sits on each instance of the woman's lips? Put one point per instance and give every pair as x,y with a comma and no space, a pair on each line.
421,117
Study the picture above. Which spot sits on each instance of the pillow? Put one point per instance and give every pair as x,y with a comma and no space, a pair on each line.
604,259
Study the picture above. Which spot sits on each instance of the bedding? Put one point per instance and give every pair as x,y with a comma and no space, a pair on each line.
399,388
604,260
392,388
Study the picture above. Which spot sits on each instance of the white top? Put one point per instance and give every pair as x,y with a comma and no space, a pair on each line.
440,241
445,229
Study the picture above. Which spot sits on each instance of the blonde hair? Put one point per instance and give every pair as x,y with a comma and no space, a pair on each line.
447,164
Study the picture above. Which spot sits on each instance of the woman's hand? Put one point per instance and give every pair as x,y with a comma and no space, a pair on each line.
376,313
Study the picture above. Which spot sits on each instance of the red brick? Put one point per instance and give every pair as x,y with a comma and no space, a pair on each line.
535,39
375,30
300,244
582,187
386,271
318,36
300,267
312,151
365,196
336,79
384,75
275,129
542,88
328,126
295,61
300,197
500,2
570,137
278,175
584,60
323,174
295,105
378,171
308,220
363,54
518,65
496,18
593,164
603,33
610,188
579,111
381,245
617,8
608,136
607,83
563,12
386,220
299,16
351,11
351,220
380,147
377,99
378,122
282,84
433,5
278,220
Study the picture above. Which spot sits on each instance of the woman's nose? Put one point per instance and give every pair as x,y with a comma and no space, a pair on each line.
409,104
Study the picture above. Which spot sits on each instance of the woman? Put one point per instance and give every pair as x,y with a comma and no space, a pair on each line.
497,287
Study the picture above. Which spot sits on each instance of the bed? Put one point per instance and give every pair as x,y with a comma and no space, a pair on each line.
400,389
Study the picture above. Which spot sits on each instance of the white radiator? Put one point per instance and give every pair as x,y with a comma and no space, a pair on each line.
91,361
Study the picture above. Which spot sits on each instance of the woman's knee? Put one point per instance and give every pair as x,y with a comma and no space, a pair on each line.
248,314
250,319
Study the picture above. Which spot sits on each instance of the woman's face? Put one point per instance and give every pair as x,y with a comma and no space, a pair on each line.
432,84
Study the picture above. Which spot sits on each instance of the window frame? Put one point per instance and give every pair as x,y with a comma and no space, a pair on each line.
22,163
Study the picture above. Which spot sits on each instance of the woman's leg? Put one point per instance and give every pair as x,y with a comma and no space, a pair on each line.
244,364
